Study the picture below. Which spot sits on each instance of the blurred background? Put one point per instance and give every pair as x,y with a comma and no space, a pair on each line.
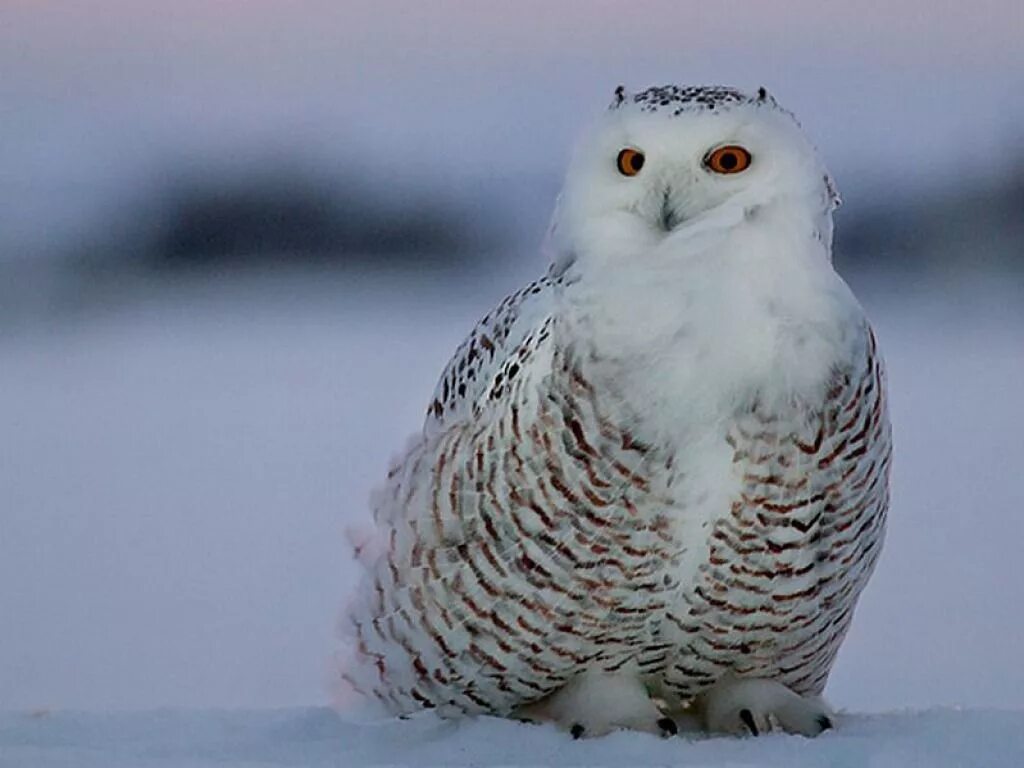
238,242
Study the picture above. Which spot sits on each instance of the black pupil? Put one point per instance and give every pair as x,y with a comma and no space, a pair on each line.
729,160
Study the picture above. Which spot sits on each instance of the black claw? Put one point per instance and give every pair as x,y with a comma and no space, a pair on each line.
577,731
668,725
825,722
748,720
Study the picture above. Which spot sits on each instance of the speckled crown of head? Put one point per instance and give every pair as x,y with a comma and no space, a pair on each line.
678,99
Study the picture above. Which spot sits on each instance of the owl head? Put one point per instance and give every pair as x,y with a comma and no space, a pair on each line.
671,161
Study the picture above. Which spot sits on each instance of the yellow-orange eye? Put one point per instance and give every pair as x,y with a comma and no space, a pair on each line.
630,162
729,159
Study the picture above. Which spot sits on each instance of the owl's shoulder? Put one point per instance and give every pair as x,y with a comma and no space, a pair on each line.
511,343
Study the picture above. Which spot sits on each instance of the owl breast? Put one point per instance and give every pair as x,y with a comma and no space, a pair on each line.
784,561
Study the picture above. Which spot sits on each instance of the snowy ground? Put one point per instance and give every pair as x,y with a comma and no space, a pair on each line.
176,474
315,737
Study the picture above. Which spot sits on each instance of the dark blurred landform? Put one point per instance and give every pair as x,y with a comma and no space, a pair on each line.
195,227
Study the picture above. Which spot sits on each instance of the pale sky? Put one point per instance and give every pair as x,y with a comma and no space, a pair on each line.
96,94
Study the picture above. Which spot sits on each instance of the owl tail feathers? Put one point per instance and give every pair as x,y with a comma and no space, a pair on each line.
352,693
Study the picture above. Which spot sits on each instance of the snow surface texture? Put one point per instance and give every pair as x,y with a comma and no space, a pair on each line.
315,737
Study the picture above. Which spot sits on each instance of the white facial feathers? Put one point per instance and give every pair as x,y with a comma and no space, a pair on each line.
675,131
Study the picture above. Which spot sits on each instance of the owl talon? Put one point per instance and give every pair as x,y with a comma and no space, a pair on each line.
577,731
748,720
668,726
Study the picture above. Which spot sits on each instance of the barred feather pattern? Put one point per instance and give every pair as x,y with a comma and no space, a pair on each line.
540,538
786,564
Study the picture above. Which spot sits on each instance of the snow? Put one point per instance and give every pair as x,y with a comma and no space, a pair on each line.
316,737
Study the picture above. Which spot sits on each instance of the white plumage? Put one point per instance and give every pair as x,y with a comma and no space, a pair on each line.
652,484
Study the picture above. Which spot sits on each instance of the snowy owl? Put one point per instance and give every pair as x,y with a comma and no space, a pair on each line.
652,484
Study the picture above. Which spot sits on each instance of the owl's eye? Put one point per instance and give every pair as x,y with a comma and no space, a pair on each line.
728,159
630,161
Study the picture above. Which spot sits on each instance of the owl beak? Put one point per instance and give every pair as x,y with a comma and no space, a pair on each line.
669,217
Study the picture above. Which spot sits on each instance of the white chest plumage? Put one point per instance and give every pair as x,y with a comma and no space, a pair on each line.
761,379
786,513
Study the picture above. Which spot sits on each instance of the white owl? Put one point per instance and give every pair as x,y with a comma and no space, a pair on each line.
651,485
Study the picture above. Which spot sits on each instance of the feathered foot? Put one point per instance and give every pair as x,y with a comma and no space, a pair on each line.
596,703
759,706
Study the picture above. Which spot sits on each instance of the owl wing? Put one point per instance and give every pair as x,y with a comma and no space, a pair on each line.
436,524
506,344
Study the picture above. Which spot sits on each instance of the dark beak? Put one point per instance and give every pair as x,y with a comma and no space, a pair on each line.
668,213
